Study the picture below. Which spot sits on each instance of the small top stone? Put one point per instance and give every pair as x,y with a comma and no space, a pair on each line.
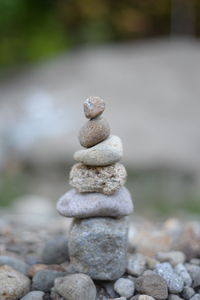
93,107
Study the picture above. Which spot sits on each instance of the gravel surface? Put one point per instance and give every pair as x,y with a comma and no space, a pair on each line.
163,262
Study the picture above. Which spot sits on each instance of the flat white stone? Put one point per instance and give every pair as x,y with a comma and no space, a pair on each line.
105,153
74,204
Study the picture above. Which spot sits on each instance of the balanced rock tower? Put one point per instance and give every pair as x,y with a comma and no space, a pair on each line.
99,202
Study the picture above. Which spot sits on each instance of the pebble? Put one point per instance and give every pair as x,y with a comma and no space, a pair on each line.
94,132
174,282
13,284
106,180
75,287
152,285
56,250
93,107
109,288
15,263
103,244
151,262
188,292
34,295
55,296
148,272
44,279
173,257
38,267
195,261
194,272
105,153
174,297
142,297
124,287
195,297
181,270
74,204
136,264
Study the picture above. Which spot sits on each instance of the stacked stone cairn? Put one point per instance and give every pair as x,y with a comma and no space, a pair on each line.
99,202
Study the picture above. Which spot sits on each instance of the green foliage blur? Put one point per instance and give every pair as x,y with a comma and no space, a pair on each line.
31,30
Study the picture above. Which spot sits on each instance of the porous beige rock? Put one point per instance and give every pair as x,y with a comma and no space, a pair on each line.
106,180
93,107
94,132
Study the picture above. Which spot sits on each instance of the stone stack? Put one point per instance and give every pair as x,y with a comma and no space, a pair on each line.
99,202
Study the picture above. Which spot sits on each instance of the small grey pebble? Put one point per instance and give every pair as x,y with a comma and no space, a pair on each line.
173,257
181,270
188,292
44,279
195,261
76,286
174,297
148,272
124,287
195,297
174,282
142,297
108,286
55,250
15,263
194,272
34,295
136,264
55,295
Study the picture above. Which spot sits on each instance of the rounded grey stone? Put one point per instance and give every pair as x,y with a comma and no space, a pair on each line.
76,287
93,107
194,272
195,297
152,285
136,264
188,292
105,153
74,204
34,295
174,297
124,287
98,247
181,270
173,257
13,284
44,279
15,263
105,180
55,250
94,132
142,297
174,282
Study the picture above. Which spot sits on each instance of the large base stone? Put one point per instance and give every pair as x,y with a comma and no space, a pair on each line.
98,247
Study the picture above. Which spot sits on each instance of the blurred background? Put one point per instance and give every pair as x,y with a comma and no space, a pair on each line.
141,57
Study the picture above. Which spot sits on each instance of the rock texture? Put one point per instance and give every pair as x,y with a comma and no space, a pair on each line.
76,287
105,153
106,180
13,284
94,132
73,204
152,285
93,107
98,246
